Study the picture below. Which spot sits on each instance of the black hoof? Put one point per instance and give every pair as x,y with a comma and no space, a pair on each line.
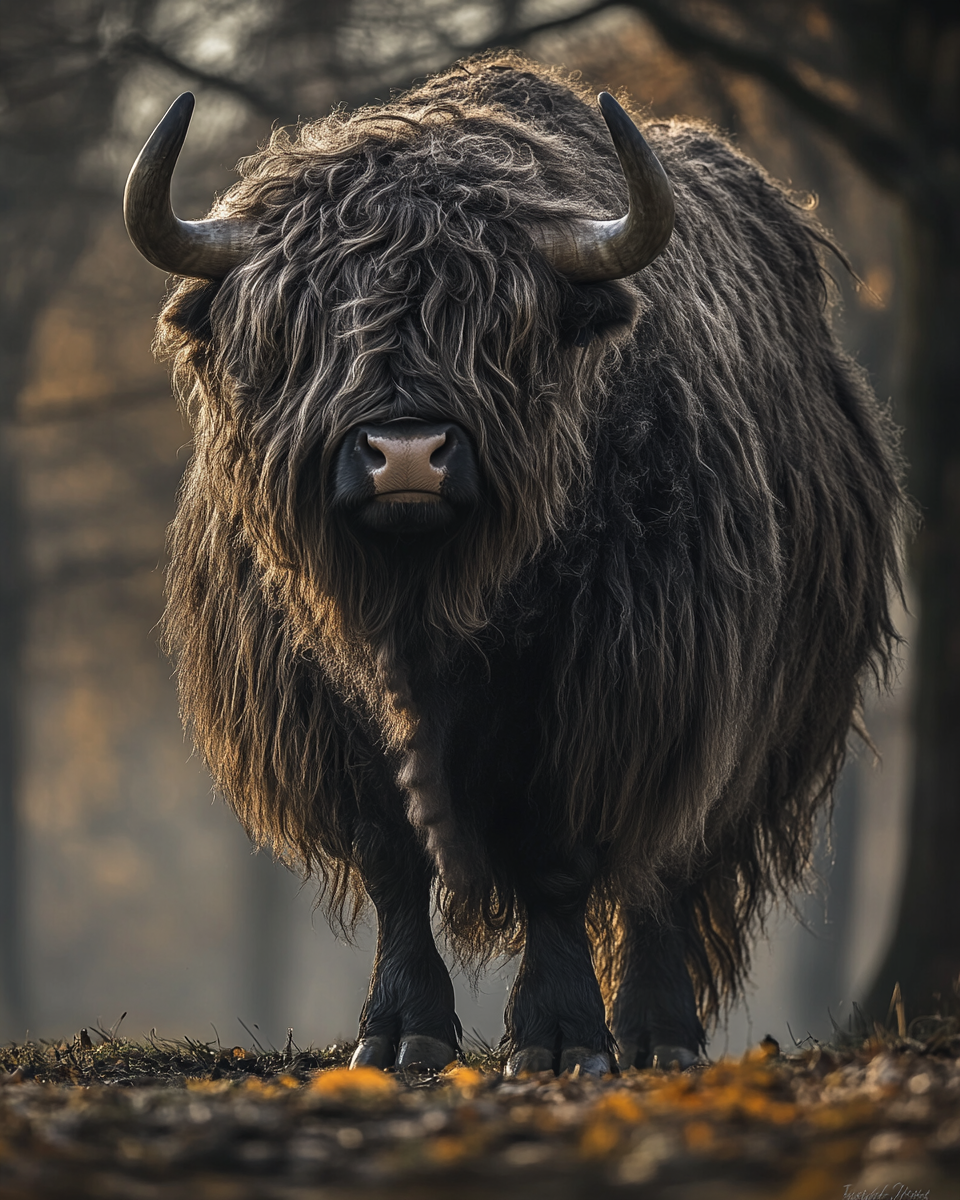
583,1062
627,1055
424,1053
673,1058
374,1051
531,1060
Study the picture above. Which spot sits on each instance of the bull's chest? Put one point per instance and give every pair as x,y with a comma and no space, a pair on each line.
467,756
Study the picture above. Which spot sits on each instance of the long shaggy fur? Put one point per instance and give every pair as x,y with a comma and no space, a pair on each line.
690,524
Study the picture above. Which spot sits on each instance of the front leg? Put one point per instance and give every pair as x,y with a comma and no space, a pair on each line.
555,1015
654,1011
408,1018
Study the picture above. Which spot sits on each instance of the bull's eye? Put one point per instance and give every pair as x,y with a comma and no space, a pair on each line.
584,336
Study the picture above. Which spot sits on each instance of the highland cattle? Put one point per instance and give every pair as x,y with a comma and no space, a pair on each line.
536,542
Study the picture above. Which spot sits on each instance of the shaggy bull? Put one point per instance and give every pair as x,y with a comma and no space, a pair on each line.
531,556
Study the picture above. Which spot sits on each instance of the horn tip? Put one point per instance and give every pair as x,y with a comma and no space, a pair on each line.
184,104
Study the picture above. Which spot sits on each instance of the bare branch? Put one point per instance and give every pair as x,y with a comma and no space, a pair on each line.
512,30
884,158
137,45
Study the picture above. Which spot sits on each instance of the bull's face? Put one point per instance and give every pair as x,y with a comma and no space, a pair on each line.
402,347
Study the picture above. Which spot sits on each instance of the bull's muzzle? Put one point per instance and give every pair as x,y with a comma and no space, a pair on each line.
402,463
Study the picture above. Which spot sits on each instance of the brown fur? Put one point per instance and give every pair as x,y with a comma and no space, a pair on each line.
696,517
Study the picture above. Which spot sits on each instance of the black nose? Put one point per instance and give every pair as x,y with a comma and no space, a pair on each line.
406,461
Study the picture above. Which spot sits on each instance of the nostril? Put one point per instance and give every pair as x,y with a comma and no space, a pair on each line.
373,457
442,454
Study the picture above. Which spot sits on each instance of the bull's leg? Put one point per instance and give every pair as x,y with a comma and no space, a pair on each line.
408,1018
654,1011
555,1016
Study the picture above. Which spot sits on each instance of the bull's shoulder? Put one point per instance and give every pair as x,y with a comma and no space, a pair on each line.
734,217
692,150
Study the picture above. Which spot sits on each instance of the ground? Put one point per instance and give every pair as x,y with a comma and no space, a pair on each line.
102,1116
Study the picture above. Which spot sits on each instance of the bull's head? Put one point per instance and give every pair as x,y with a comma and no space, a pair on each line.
407,461
393,344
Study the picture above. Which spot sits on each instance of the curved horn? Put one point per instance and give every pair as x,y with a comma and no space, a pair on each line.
597,251
205,249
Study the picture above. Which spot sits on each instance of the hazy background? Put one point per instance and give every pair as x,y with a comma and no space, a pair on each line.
138,890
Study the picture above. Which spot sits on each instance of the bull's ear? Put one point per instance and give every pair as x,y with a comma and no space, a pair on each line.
603,311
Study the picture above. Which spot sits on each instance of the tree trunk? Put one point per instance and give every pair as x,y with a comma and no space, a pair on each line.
47,128
11,630
924,954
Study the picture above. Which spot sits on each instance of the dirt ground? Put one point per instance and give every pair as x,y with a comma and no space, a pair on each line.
107,1117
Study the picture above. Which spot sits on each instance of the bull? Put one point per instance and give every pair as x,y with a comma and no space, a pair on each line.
531,556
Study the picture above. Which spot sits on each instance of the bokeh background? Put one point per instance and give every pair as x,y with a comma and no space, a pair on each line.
126,885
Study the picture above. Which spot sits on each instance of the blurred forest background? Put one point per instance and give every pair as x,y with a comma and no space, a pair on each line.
125,885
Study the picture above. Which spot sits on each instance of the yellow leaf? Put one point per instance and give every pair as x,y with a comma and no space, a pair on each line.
214,1086
617,1105
465,1079
814,1183
448,1149
842,1116
351,1086
599,1138
762,1108
260,1087
698,1135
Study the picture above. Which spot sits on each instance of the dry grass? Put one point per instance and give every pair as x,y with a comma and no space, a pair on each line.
108,1117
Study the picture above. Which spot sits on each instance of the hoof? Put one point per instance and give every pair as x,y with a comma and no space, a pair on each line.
627,1055
374,1051
532,1060
425,1053
591,1063
673,1058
